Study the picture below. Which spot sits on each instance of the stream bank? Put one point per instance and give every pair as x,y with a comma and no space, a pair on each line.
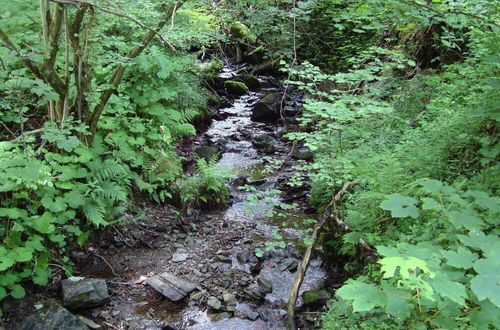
209,257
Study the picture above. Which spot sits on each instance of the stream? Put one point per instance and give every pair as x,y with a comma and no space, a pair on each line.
213,250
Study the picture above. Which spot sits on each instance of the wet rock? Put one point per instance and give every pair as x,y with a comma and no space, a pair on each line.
265,285
89,323
266,110
220,316
274,317
246,311
236,87
180,257
223,258
229,301
290,265
231,324
303,153
265,143
255,292
172,287
84,293
250,80
229,298
197,295
214,303
315,298
52,316
206,152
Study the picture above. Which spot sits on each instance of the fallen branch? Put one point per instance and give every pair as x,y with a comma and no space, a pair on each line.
292,299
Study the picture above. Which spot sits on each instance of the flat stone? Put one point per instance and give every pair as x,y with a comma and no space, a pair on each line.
52,316
84,293
172,287
214,303
180,257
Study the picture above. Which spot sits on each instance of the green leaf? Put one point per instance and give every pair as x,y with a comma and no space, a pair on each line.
390,266
3,293
463,258
364,296
6,262
431,185
487,283
82,238
17,291
43,223
398,302
69,143
447,288
487,287
13,213
430,204
21,254
400,206
465,219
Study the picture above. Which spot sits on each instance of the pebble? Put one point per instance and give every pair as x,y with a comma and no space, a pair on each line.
214,303
179,257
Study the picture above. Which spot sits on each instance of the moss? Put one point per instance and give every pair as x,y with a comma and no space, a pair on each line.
315,297
236,87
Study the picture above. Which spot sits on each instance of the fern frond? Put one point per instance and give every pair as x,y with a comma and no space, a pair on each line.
94,211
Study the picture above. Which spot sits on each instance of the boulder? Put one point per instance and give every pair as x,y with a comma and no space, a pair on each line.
236,87
265,142
267,109
84,293
249,80
315,298
52,316
172,287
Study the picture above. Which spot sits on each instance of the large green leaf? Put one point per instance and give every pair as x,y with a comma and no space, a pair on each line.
401,206
43,223
463,258
486,285
364,296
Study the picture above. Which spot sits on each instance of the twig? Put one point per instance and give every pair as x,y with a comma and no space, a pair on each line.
105,261
33,132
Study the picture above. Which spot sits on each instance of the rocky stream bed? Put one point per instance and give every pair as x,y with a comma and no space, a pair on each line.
200,272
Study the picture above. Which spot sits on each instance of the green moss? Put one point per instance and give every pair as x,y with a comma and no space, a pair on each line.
236,87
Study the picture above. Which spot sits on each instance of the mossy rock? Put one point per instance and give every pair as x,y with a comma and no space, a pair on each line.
236,87
250,80
239,30
315,298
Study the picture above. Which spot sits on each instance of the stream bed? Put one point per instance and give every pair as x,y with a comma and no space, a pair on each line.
213,250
